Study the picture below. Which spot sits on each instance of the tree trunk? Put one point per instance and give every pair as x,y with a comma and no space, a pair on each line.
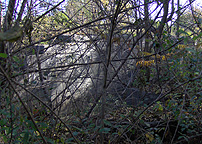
146,48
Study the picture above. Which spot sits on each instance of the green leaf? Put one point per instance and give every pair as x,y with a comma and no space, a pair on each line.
43,125
3,55
33,51
148,40
91,125
26,138
5,139
198,36
13,34
104,130
75,133
160,107
26,81
180,31
3,122
16,59
50,141
68,140
107,123
190,49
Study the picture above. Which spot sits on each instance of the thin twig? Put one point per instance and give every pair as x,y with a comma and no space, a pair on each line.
49,109
24,105
128,128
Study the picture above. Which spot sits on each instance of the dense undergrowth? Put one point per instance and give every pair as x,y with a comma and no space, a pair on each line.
175,117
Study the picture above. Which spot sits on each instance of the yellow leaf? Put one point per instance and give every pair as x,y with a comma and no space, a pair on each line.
145,63
157,56
137,63
149,136
182,46
160,107
104,36
169,54
106,2
96,29
146,53
37,133
140,63
163,58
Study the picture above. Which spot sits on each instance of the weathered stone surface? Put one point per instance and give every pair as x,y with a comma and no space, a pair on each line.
85,80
